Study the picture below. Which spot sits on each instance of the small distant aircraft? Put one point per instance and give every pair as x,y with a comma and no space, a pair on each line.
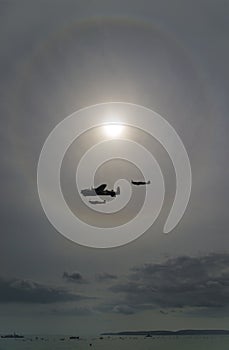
139,183
98,202
100,191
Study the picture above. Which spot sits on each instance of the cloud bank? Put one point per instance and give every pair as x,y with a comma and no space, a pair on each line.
25,291
182,282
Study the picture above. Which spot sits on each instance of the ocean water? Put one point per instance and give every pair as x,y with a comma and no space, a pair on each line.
118,343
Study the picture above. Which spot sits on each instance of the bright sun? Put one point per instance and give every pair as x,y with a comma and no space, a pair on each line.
113,130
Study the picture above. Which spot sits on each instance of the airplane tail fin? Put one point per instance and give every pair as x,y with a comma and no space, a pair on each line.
118,190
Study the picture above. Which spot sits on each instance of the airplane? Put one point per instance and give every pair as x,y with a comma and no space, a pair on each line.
100,191
138,183
98,202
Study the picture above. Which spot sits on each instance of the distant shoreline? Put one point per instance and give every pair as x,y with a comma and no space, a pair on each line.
178,332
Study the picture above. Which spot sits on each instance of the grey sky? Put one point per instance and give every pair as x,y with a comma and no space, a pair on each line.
60,56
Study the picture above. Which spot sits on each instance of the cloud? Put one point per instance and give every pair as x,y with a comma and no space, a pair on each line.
74,277
25,291
123,309
183,282
163,312
113,306
104,276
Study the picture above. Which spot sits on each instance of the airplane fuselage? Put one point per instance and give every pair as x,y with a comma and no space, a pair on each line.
99,191
93,192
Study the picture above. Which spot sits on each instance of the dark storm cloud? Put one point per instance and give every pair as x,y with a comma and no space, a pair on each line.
25,291
183,282
74,277
104,276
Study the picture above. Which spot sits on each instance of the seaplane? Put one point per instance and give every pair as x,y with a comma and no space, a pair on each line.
100,191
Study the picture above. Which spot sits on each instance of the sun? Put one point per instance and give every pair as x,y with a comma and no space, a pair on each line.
113,130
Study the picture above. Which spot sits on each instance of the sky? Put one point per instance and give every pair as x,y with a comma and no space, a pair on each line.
60,56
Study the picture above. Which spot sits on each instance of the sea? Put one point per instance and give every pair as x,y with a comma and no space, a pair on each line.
194,342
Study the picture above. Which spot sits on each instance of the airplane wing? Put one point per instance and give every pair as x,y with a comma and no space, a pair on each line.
101,187
134,182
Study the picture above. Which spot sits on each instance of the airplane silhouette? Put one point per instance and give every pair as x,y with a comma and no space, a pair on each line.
138,183
100,191
98,202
